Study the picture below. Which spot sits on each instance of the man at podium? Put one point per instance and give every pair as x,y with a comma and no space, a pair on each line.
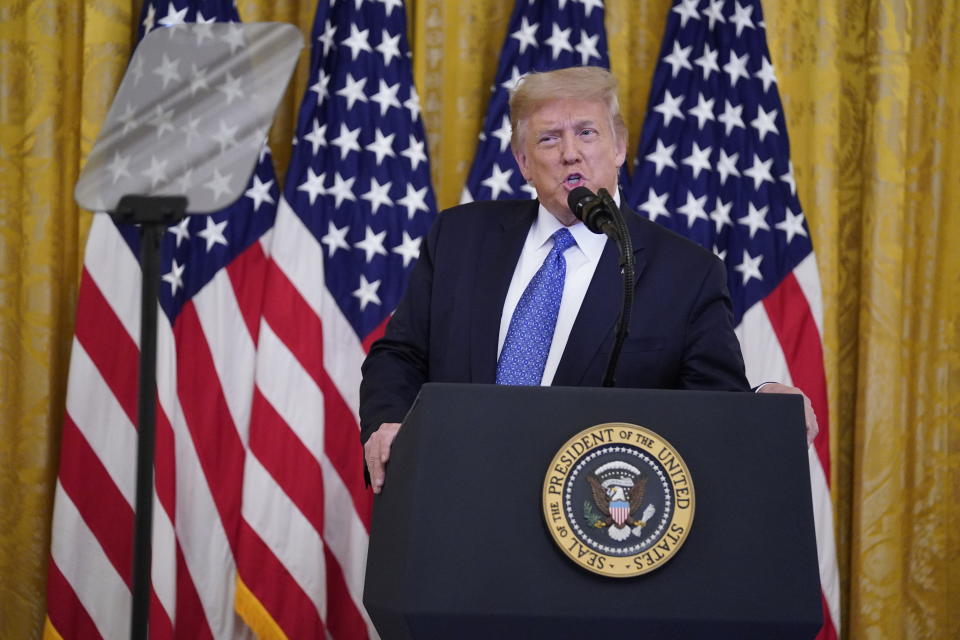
521,292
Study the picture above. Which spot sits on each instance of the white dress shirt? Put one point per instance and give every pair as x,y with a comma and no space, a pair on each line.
582,261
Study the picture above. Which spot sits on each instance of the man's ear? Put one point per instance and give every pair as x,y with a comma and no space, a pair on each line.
621,152
521,159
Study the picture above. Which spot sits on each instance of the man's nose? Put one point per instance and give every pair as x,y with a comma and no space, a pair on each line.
569,150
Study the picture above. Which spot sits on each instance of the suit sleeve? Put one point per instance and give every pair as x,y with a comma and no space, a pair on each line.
397,365
712,359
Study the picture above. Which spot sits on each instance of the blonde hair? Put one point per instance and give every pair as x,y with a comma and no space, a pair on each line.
578,83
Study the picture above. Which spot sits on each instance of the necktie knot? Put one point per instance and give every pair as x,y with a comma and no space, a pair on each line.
562,240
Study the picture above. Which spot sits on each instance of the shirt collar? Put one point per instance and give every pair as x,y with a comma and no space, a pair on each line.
589,242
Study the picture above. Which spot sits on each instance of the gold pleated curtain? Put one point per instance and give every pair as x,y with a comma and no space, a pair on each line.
870,90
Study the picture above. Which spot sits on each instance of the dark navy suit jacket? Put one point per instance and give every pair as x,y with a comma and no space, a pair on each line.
447,325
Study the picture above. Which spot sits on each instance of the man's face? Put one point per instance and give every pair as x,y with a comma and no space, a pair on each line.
568,144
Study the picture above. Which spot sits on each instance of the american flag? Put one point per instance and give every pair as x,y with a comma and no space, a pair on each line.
214,269
543,35
713,164
356,203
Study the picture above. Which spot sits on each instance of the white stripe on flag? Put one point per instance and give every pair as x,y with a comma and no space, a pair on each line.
116,270
203,539
826,550
77,553
300,257
762,353
294,396
231,347
91,405
286,532
163,564
808,277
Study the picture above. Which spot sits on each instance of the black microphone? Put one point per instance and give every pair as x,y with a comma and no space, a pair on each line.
593,210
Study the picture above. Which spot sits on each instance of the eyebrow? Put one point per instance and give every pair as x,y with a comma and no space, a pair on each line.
578,124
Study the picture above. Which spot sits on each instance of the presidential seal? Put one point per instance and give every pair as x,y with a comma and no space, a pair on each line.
618,500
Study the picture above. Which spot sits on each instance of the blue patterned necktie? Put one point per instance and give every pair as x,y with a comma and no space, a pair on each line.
527,344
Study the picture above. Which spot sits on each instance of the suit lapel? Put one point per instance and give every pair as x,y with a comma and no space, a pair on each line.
598,314
500,251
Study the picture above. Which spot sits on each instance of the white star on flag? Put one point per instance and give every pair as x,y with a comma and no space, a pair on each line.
213,233
357,41
750,267
698,160
755,219
670,108
259,192
663,156
335,238
409,249
372,244
367,292
499,181
353,91
174,277
389,47
792,225
760,171
378,194
526,35
347,140
559,40
414,201
317,136
656,205
693,208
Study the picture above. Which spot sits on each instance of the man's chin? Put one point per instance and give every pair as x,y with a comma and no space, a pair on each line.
561,213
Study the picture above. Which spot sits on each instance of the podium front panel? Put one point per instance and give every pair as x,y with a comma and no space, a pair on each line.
459,547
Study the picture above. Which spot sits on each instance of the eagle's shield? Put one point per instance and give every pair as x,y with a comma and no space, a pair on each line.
619,511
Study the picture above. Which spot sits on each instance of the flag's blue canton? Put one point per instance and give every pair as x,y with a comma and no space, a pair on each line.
543,35
359,178
713,162
194,250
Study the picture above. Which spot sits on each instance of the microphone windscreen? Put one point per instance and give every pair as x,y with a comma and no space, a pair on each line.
577,198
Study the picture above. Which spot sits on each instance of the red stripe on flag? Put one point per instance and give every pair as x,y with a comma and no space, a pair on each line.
287,459
208,418
376,334
828,630
191,621
165,464
161,627
295,324
343,618
290,607
793,322
67,614
108,344
105,511
246,273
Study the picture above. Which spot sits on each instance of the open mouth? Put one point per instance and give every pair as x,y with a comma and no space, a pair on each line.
573,180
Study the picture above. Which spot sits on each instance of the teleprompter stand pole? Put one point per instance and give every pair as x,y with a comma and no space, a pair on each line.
154,214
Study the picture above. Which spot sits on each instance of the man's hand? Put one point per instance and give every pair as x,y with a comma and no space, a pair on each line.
809,417
376,452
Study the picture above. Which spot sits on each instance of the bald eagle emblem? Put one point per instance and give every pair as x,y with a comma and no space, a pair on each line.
617,490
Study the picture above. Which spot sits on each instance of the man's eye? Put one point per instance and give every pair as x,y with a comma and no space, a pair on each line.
588,132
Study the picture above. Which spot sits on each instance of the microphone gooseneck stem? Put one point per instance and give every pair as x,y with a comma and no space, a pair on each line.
627,270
